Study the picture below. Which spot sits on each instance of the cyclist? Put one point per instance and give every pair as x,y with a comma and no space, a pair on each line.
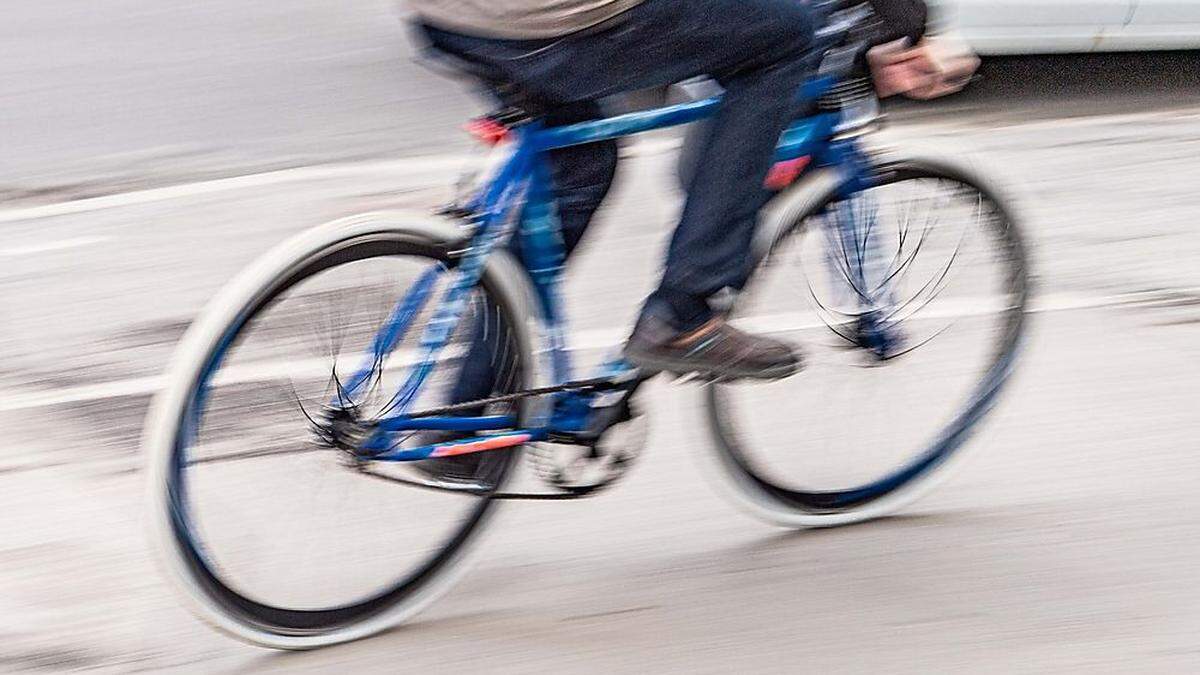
565,55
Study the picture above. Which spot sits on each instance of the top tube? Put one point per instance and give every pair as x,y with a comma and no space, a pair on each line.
659,118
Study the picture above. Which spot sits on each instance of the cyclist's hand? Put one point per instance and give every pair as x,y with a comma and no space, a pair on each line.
935,67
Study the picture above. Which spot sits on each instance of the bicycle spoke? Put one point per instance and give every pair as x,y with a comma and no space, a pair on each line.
273,499
884,421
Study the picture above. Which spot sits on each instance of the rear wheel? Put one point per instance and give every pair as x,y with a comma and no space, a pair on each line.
273,534
866,429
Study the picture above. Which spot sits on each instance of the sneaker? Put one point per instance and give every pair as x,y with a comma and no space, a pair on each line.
716,351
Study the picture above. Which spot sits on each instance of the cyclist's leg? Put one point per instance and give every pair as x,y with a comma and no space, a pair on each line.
583,174
582,177
756,48
710,249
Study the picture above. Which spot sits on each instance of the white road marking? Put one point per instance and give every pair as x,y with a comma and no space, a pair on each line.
420,170
436,169
427,168
951,124
583,341
49,246
261,371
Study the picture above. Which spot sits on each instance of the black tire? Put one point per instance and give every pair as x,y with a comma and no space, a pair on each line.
777,497
187,546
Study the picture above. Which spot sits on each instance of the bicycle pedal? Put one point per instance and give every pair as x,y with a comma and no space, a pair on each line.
685,378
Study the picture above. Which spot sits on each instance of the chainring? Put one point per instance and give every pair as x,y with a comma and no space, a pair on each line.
583,469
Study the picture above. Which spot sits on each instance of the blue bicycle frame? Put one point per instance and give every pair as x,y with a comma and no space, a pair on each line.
519,201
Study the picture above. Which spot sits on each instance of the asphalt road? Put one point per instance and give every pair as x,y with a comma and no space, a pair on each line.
1067,543
102,98
132,92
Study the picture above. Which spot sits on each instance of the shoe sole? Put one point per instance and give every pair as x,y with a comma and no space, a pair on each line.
687,370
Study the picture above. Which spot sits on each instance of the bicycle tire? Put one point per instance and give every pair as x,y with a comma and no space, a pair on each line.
765,498
183,560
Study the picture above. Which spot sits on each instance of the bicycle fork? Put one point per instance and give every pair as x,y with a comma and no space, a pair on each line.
857,261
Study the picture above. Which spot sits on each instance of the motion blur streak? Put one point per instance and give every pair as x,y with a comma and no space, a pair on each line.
1065,544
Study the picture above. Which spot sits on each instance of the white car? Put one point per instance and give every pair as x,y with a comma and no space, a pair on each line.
1048,26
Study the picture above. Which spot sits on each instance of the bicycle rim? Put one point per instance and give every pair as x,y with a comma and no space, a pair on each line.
266,571
861,437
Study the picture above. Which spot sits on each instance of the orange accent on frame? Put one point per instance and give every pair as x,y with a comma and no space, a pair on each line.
480,445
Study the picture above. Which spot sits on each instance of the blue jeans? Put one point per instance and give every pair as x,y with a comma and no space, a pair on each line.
755,49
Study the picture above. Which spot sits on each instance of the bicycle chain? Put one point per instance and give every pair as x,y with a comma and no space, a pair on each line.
594,384
541,457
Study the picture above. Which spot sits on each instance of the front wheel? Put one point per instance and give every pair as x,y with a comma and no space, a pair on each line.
269,529
909,298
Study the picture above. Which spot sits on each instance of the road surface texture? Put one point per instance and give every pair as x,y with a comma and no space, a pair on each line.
1066,544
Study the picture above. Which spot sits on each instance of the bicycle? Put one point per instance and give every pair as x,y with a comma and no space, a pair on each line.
371,415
